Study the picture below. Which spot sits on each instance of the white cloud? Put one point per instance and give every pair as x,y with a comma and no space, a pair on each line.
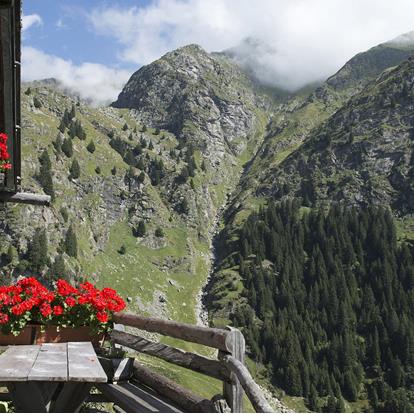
31,20
94,82
307,39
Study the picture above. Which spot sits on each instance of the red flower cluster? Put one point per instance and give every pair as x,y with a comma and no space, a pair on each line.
4,154
67,305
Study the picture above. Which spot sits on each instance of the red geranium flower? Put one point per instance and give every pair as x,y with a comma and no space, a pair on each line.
70,301
102,316
57,310
45,309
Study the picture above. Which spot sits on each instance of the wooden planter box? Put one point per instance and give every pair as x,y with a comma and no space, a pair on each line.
26,337
51,333
34,334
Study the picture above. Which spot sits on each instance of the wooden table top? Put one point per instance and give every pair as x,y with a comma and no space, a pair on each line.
66,362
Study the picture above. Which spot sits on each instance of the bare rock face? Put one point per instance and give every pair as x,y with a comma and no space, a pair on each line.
202,98
362,154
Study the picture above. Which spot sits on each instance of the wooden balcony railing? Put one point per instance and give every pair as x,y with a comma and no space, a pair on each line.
228,367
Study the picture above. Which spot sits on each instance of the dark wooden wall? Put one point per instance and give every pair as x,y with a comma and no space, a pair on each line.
10,56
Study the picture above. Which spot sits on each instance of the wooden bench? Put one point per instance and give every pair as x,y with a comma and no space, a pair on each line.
134,398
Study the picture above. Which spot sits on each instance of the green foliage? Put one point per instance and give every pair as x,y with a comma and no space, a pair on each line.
58,270
157,131
65,214
67,147
125,127
37,102
28,91
45,174
159,232
122,249
91,147
144,128
74,169
12,255
113,170
98,169
141,177
183,206
333,299
71,242
141,229
38,250
57,144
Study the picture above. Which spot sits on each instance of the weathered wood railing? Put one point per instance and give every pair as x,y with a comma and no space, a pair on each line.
229,367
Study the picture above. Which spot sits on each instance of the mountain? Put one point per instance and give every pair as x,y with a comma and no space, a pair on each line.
348,142
367,65
197,171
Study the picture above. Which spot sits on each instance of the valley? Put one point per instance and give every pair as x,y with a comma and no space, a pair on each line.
196,195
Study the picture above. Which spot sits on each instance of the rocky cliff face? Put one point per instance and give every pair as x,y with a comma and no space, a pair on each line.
362,154
163,158
202,98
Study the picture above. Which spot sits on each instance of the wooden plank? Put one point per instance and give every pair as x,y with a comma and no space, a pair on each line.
198,363
179,396
17,361
25,198
213,337
83,363
133,399
250,387
71,398
27,397
233,391
51,363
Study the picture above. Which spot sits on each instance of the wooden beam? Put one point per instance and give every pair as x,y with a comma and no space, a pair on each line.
252,390
232,390
213,337
25,198
178,395
198,363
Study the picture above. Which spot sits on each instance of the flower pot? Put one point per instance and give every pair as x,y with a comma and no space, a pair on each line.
52,333
26,337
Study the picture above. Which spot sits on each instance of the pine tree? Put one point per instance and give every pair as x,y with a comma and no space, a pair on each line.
58,270
125,127
45,174
67,147
122,250
150,146
74,170
159,232
38,250
71,242
141,230
141,177
91,147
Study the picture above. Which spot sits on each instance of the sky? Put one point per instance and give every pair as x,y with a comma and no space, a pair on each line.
93,46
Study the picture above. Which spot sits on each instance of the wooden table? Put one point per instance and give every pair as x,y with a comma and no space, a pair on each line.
50,377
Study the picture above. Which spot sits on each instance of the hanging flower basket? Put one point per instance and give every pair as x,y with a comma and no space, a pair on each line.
64,314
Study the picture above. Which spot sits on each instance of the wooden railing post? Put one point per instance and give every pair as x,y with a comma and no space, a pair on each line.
233,391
